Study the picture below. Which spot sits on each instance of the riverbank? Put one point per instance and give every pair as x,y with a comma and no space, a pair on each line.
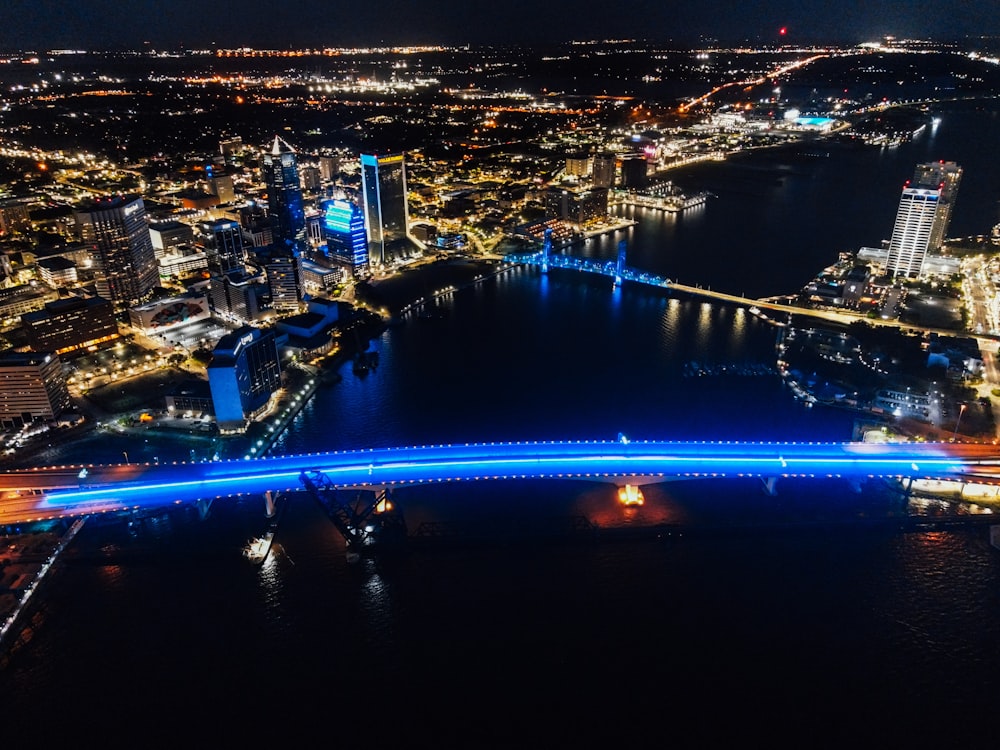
27,562
421,285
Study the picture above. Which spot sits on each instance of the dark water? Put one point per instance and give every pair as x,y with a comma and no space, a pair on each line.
712,615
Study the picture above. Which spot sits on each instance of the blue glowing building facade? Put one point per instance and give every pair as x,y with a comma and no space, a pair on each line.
346,238
244,373
284,196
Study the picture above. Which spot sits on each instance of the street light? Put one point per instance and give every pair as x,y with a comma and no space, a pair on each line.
961,411
125,453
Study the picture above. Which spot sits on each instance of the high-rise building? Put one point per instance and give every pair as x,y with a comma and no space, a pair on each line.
346,239
219,184
231,148
577,165
945,175
311,179
123,254
167,236
71,324
57,272
234,295
383,184
285,282
245,371
922,217
577,206
32,387
14,215
329,167
284,196
635,170
224,244
603,173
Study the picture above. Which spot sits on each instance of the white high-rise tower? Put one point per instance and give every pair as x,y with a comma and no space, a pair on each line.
923,216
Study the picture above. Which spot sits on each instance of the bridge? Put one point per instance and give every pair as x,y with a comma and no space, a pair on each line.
55,492
619,272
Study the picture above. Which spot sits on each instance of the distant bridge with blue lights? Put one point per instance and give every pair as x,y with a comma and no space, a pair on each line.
617,269
53,492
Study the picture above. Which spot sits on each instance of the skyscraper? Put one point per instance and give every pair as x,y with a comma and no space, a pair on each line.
243,374
329,167
922,217
604,170
346,239
32,386
383,183
946,176
284,196
123,252
224,244
284,282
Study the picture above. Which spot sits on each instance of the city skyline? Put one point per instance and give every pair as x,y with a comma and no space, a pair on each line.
278,481
186,23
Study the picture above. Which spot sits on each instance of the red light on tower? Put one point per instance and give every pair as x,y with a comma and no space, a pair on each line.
783,30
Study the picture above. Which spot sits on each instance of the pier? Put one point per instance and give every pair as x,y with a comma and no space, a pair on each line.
670,203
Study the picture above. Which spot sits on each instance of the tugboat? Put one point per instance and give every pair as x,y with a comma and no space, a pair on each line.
365,361
257,549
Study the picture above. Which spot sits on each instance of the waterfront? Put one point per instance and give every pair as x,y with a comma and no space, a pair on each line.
788,618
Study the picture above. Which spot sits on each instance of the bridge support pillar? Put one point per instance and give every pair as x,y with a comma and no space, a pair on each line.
995,536
620,266
770,485
204,506
269,507
546,249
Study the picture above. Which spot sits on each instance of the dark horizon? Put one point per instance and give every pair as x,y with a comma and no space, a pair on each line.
103,25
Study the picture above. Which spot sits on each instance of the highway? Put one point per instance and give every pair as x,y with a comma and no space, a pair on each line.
69,491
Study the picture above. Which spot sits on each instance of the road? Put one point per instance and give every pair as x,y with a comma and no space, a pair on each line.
71,491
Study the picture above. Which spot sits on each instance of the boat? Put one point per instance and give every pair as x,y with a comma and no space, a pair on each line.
257,549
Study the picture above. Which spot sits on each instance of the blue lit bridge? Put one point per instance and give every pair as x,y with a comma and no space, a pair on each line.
35,494
617,270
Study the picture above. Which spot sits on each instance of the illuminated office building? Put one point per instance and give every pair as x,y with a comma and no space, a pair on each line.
167,236
71,324
219,184
922,218
224,244
329,167
245,371
346,239
284,196
235,295
122,250
944,175
32,387
383,184
603,172
284,281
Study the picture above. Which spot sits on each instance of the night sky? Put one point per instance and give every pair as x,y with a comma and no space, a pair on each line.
277,24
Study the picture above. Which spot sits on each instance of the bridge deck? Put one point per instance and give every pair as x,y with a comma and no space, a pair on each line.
60,491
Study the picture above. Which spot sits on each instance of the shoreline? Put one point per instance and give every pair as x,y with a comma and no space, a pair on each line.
13,628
